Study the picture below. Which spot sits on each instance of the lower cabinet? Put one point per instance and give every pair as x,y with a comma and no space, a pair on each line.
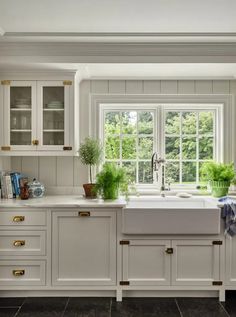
84,248
231,261
171,262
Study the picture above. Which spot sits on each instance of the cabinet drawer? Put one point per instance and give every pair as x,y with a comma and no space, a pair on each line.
22,272
20,217
22,243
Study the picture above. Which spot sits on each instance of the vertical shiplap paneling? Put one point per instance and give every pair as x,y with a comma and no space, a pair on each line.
30,166
220,86
232,90
80,173
169,87
186,87
16,164
203,87
134,87
47,170
152,87
116,87
65,171
99,86
5,163
84,129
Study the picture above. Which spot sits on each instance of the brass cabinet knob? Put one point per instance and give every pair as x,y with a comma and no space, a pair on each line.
18,272
84,213
35,142
19,243
18,218
169,250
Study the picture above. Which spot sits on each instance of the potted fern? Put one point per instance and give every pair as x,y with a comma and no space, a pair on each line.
111,181
219,176
90,153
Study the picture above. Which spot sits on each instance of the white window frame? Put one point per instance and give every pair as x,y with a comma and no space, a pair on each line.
159,110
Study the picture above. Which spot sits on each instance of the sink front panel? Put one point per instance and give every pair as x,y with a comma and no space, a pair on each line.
170,221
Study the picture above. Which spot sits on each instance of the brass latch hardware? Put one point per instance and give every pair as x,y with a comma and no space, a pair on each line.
123,242
18,218
5,148
124,283
84,213
35,142
169,250
5,82
217,283
67,148
67,82
19,243
217,242
18,272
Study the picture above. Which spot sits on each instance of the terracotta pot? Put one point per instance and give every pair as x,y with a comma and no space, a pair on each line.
89,190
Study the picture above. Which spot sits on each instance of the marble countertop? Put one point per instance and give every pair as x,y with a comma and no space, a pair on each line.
61,201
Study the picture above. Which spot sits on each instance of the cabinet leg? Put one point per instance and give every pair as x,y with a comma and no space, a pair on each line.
119,295
222,295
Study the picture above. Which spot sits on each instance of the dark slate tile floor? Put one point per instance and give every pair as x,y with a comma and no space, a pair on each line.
108,307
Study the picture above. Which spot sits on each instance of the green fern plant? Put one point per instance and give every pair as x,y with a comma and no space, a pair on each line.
110,181
212,171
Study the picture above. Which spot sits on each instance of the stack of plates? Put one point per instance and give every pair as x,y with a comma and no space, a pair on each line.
55,105
22,103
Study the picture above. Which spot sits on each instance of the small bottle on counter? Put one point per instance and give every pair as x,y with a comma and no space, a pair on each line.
24,191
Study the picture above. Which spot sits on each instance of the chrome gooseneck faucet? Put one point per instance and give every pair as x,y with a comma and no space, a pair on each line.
157,163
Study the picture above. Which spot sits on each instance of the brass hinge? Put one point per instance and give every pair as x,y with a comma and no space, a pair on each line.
5,82
35,142
169,250
122,242
67,82
124,282
216,283
217,242
67,148
5,148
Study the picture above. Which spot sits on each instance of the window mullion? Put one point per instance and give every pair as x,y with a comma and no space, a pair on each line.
197,149
180,149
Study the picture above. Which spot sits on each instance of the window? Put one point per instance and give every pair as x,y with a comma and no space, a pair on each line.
185,136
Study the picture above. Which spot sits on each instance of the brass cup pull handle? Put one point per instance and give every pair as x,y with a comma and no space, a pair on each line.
18,272
18,218
84,213
169,251
19,243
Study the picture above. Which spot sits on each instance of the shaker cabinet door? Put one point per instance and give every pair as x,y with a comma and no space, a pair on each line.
230,261
195,262
146,262
84,248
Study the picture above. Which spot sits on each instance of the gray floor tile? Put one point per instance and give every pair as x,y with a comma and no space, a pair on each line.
201,307
8,312
11,301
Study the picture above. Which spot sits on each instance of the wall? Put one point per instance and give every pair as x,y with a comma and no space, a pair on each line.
66,173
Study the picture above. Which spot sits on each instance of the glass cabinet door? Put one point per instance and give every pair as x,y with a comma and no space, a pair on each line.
53,116
53,125
19,115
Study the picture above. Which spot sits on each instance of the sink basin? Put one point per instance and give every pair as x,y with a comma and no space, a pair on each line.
171,215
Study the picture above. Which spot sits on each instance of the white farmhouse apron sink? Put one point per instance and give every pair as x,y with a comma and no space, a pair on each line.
171,215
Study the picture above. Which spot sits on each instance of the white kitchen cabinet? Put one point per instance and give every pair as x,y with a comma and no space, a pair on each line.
157,262
195,262
84,248
37,117
231,261
146,262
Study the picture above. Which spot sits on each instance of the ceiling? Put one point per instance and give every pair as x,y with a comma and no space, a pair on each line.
122,16
119,21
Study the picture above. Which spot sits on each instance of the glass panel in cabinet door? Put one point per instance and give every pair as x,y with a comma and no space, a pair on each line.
53,116
20,115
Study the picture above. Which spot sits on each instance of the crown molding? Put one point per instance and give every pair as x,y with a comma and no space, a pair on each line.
157,37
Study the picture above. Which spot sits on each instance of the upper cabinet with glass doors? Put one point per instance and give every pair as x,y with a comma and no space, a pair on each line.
36,118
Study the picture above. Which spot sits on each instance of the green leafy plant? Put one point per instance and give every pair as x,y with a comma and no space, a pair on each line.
110,181
213,171
219,176
90,153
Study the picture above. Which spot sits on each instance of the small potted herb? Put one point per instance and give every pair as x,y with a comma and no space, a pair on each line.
219,176
111,181
90,153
